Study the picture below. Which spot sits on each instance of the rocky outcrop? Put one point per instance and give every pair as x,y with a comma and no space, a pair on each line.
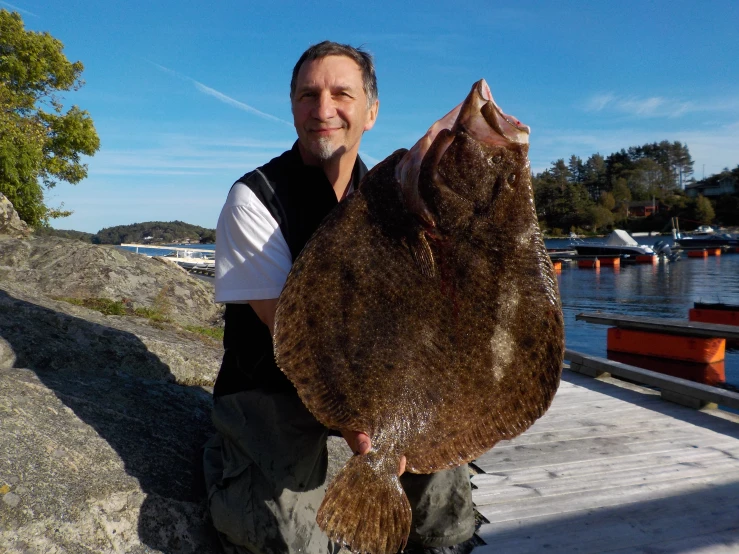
10,223
102,417
64,268
43,334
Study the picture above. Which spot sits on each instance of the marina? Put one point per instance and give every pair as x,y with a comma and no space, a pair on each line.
660,291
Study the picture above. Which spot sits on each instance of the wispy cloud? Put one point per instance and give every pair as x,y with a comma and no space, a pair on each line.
369,160
172,154
653,106
205,89
657,106
17,9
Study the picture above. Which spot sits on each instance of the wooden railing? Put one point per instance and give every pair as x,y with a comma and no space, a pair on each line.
674,389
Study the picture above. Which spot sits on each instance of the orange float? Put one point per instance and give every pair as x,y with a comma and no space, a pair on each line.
719,316
615,262
661,345
697,254
646,259
593,263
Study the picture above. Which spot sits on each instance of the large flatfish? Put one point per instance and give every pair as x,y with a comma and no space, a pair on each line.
424,312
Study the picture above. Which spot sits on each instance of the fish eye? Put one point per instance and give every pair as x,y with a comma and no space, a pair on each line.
495,160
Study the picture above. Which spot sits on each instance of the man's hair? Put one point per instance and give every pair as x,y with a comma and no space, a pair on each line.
327,48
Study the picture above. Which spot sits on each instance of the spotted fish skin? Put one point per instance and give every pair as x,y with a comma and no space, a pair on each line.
424,312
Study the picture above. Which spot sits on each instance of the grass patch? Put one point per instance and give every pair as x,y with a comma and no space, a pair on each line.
102,305
215,333
117,307
152,314
157,314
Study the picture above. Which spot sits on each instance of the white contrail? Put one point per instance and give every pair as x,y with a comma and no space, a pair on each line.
16,8
369,160
222,97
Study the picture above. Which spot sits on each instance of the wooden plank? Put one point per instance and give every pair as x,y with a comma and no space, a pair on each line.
544,455
558,505
705,393
587,468
674,524
661,426
673,326
489,494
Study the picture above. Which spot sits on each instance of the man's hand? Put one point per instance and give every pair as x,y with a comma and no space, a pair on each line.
360,444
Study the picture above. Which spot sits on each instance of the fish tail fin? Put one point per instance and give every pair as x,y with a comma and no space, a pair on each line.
365,507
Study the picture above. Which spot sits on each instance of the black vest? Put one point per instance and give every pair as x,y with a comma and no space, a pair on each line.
298,196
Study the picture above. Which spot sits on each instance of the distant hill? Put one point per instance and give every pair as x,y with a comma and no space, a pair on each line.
153,232
75,235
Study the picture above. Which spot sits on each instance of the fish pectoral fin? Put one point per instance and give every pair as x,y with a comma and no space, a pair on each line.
365,507
422,254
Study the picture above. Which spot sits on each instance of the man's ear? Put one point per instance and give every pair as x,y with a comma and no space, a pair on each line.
372,115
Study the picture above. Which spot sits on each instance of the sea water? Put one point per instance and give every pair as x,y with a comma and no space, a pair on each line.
161,250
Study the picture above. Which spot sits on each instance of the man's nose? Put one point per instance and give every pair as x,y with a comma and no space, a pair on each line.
325,107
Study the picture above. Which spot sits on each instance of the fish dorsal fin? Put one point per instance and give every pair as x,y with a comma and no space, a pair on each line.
422,254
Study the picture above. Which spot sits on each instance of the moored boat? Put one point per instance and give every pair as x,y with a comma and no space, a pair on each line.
618,243
708,240
192,259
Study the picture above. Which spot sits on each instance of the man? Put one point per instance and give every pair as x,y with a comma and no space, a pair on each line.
265,469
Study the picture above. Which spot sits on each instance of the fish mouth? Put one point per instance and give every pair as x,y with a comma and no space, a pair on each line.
479,117
495,127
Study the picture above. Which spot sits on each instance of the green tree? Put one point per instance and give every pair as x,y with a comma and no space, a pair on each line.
607,200
40,142
621,192
576,169
600,217
704,213
594,175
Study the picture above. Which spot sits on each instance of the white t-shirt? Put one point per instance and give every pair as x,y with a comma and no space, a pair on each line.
252,257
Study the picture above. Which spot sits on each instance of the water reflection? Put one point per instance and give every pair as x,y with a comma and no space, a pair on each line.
662,290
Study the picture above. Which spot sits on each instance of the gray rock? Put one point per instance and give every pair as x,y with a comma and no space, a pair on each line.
103,417
63,268
10,223
39,333
101,464
105,464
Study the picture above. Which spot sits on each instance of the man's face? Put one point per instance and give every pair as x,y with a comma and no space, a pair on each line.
330,108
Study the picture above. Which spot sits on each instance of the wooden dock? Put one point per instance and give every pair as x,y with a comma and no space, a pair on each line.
613,467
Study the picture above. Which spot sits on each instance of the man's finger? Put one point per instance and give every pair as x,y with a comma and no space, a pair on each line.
359,442
363,444
401,469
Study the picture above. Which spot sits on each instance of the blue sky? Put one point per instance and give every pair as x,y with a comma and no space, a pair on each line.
189,95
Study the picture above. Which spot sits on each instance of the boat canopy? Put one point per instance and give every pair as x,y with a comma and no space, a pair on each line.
619,237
